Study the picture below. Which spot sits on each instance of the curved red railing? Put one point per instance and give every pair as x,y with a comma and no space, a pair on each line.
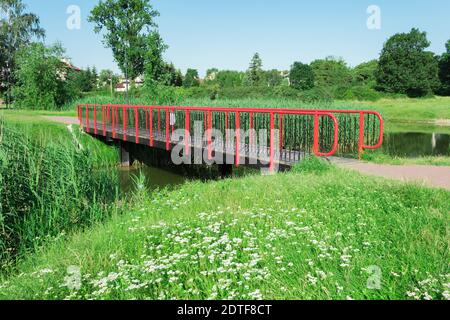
110,113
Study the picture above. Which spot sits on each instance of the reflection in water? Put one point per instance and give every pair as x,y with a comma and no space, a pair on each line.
413,144
154,178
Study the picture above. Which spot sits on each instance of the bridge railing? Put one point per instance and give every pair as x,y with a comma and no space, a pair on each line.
300,131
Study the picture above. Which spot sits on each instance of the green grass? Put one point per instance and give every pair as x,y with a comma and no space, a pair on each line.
49,183
41,129
378,157
410,110
302,235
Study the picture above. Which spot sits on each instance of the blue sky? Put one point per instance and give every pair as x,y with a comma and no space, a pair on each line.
225,33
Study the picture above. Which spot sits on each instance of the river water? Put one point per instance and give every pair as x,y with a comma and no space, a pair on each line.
155,178
414,144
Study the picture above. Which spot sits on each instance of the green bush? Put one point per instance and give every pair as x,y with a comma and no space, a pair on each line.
365,93
316,94
312,164
43,80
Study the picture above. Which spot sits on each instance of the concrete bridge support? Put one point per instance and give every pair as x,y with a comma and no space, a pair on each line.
124,155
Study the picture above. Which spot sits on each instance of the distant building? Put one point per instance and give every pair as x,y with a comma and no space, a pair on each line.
68,66
123,83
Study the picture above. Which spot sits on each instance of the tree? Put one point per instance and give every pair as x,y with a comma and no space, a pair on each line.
191,79
17,29
83,80
365,73
94,78
405,67
444,71
272,78
301,76
170,76
254,72
131,34
331,72
211,75
155,67
107,79
229,78
43,80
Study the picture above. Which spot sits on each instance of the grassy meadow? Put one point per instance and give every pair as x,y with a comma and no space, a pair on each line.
315,233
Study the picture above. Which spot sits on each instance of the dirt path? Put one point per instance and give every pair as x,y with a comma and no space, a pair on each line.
65,120
432,176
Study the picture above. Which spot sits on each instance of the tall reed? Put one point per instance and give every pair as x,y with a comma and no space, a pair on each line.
48,186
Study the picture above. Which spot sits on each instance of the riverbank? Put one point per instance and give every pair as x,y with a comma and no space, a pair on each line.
49,184
319,233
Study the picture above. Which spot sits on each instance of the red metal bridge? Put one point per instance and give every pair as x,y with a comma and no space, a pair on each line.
285,135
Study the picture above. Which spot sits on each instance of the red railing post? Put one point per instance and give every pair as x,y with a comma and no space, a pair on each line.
108,113
226,130
251,130
316,134
159,121
209,129
272,142
151,127
104,120
361,135
136,123
87,119
238,138
124,115
79,114
187,133
281,131
167,130
113,121
95,120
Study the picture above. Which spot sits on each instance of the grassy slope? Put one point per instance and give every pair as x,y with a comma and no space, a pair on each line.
304,235
411,110
46,131
378,157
